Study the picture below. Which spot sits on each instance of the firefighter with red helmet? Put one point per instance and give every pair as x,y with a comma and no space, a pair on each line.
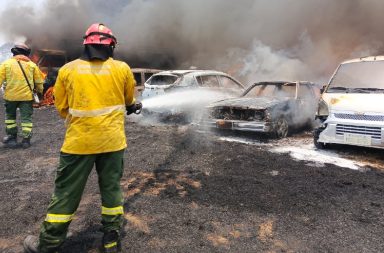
92,93
21,77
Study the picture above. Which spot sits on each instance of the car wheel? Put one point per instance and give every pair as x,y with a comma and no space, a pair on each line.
281,128
316,134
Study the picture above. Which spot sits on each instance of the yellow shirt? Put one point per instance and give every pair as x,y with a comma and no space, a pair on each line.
16,87
92,96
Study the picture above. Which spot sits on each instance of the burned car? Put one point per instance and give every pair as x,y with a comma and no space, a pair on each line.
141,75
183,94
274,108
176,80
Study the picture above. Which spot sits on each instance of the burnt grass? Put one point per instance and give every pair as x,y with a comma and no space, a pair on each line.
186,191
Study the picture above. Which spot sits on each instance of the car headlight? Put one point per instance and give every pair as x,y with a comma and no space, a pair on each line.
267,115
322,109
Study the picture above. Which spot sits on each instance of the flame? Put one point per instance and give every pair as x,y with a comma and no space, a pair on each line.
48,97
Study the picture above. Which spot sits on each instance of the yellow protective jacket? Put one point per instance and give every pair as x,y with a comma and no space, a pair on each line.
16,87
92,96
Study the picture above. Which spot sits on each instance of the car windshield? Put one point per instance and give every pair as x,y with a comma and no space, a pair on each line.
358,77
162,79
281,90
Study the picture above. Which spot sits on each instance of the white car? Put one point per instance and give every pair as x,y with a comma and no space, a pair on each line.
351,108
183,94
176,80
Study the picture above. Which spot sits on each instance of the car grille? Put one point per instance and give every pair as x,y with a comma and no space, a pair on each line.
359,117
228,113
374,132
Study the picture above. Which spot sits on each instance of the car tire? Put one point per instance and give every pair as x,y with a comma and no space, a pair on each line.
316,134
281,128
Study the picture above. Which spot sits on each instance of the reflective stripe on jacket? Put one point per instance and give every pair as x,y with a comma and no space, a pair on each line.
16,86
92,96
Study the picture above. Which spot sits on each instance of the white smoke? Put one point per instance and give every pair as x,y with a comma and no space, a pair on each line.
252,39
189,103
262,63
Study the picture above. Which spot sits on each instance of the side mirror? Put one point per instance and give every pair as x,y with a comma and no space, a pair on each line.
323,88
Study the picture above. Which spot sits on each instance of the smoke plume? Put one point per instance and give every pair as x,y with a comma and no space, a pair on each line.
251,39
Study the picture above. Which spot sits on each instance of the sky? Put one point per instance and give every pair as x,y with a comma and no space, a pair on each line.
34,3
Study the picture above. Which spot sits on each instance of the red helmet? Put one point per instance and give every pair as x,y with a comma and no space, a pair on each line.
99,34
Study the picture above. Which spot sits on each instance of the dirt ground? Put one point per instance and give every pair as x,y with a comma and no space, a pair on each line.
189,191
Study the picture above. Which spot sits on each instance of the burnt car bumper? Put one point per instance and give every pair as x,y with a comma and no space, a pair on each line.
240,125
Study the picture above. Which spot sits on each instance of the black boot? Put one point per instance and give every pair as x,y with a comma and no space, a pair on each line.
26,143
10,141
111,242
31,244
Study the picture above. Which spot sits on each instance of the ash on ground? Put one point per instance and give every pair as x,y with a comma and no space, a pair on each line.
193,191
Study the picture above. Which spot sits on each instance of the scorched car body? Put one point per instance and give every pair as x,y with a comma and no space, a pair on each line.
267,107
184,93
178,80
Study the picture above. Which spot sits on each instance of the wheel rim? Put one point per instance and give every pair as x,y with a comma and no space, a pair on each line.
282,128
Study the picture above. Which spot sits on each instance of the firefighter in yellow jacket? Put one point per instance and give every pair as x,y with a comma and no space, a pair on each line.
92,93
18,93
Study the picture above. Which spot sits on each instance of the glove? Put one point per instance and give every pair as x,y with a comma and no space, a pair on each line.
135,108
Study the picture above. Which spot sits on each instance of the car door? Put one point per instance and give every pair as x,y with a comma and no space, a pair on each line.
286,93
230,86
210,87
307,100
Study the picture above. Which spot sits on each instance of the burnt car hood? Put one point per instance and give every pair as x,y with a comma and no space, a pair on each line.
257,103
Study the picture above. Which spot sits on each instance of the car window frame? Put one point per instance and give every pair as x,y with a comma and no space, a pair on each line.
149,80
239,85
207,74
249,88
310,86
296,85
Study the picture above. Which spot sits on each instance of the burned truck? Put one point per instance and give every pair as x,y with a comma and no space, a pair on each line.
49,62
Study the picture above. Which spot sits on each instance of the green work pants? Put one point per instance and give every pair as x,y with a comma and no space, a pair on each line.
26,111
72,175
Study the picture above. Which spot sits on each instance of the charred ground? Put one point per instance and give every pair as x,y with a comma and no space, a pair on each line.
187,191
